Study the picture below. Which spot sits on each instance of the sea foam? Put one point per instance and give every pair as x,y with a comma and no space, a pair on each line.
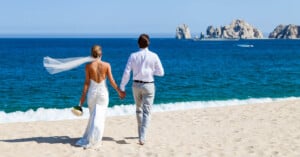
43,114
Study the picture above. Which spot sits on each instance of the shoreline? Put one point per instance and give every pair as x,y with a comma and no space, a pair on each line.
268,129
43,114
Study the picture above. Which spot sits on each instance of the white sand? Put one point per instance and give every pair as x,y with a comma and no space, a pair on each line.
271,129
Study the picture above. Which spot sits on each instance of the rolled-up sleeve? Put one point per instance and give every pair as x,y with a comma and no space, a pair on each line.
159,70
126,74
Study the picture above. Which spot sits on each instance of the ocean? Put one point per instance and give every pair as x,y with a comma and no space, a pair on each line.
197,74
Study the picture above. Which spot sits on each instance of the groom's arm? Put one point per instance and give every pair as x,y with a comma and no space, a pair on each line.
158,70
126,74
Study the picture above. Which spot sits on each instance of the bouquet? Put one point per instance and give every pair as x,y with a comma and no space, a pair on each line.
77,110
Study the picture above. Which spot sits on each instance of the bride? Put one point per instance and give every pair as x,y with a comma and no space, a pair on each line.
94,88
96,91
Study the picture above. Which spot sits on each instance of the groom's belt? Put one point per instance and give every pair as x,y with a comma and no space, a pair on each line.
138,81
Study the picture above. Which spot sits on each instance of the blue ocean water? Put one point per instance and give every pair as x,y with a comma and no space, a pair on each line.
194,70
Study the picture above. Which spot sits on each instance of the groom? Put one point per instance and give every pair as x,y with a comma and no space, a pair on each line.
144,64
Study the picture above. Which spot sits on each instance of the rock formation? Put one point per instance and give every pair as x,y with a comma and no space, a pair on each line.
286,32
183,32
238,29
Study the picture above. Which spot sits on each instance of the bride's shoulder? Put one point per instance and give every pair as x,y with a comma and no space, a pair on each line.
88,64
105,63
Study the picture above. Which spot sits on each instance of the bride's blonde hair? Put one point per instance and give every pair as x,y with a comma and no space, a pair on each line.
96,51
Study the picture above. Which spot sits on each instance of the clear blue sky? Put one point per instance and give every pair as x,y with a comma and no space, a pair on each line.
137,16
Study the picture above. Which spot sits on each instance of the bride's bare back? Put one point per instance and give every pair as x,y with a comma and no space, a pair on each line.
98,71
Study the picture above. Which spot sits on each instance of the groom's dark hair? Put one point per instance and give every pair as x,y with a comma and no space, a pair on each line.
144,41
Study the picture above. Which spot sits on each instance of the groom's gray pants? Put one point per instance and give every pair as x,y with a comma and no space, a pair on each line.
144,96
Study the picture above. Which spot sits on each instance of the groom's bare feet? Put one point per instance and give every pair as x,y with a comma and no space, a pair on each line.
141,143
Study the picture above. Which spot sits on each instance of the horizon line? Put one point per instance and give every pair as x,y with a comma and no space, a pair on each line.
83,35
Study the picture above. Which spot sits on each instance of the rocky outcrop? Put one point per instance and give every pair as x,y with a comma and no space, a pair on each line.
183,32
238,29
286,32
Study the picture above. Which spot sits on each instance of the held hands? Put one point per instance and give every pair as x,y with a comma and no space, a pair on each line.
122,94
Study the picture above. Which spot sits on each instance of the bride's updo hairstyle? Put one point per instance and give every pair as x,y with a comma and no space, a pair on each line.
96,51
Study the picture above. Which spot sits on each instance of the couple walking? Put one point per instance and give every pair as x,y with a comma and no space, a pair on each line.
144,65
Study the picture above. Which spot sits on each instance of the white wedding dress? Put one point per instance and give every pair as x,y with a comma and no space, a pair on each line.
97,99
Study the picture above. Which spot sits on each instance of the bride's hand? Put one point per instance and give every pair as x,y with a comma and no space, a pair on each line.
81,101
122,94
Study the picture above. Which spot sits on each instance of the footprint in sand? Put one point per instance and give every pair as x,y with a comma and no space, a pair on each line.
275,153
250,149
236,131
238,140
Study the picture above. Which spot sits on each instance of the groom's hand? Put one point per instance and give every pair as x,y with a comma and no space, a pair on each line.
122,95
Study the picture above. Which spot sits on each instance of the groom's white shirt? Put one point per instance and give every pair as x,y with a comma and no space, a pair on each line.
144,65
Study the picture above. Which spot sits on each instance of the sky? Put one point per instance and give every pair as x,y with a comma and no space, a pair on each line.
138,16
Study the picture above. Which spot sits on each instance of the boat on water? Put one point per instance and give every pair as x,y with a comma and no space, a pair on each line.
245,45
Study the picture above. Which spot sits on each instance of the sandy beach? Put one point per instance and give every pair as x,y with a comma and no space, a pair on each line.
270,129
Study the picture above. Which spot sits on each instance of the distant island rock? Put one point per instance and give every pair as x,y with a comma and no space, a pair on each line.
238,29
183,32
286,32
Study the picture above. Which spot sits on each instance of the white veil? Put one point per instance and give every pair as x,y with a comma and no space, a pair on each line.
54,66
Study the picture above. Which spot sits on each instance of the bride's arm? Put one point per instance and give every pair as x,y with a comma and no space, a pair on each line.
85,86
113,83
